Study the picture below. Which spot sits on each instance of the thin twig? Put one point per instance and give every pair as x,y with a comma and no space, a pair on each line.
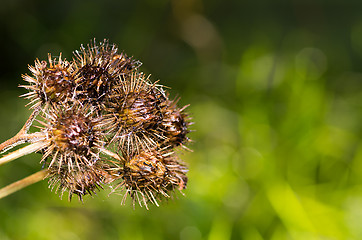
109,153
16,186
22,136
24,151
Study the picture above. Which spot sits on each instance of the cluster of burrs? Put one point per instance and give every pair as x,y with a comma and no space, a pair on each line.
100,121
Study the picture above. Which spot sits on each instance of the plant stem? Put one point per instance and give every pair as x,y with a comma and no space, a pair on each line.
22,136
109,153
24,151
16,186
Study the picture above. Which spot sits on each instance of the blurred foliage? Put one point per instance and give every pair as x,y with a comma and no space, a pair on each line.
276,97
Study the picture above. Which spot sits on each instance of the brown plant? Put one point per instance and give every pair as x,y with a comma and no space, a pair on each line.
101,122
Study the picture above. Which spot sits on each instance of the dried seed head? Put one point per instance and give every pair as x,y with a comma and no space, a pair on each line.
149,176
82,181
107,56
99,70
74,135
50,83
135,114
175,123
94,83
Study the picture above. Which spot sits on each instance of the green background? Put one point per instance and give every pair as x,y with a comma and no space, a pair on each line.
275,92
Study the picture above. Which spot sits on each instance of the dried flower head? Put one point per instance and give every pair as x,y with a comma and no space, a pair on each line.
99,70
74,136
78,181
135,114
149,176
52,81
175,125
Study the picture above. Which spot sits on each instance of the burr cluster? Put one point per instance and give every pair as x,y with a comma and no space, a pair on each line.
101,122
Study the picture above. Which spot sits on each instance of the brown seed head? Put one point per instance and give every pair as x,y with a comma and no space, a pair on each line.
135,114
74,134
83,181
99,70
52,82
174,125
152,175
